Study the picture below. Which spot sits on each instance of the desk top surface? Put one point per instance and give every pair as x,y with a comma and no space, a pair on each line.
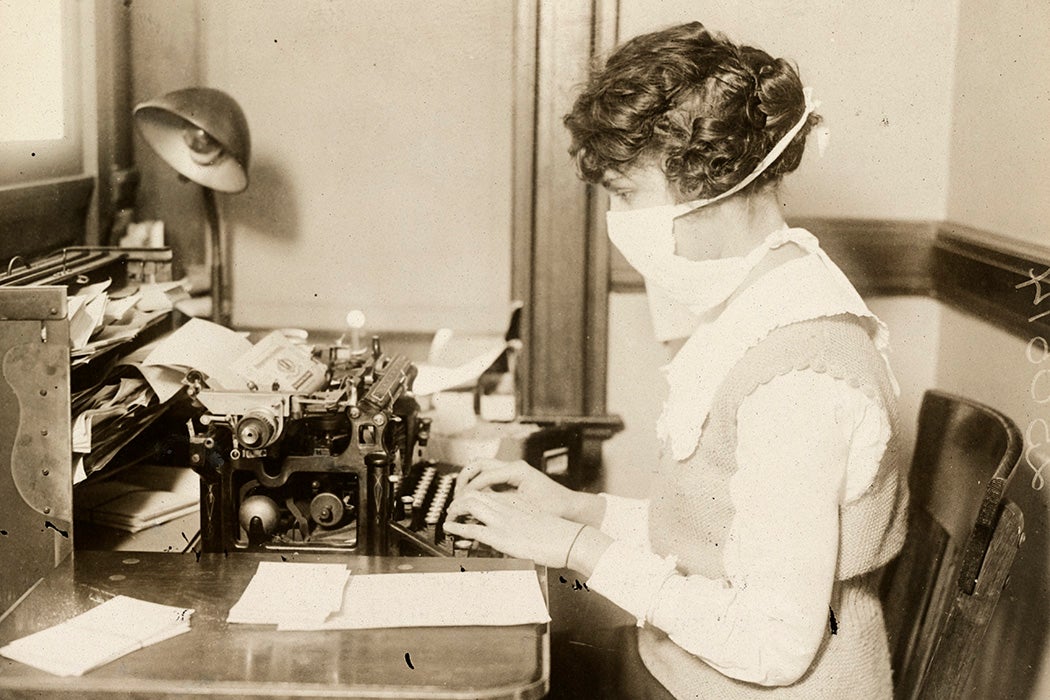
216,658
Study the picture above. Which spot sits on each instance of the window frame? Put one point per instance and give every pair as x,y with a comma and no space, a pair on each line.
47,187
23,162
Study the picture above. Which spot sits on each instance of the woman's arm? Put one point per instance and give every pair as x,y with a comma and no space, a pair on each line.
765,620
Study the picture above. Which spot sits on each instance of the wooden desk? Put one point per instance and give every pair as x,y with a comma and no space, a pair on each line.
249,661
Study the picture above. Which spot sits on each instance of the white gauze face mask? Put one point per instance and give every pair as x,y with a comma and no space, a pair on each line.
680,290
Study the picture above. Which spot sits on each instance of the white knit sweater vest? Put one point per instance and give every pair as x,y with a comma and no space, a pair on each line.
691,513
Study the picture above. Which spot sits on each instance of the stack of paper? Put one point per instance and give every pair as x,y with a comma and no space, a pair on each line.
100,318
92,411
106,417
103,634
139,497
291,594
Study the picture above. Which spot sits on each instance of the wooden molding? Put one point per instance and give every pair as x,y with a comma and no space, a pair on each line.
560,262
999,280
526,20
880,257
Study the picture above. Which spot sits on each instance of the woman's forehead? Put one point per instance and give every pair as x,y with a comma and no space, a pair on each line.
647,176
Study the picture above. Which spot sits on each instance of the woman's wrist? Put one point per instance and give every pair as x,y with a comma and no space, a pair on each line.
586,508
588,547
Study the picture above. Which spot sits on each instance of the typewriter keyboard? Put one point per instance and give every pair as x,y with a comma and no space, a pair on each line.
421,508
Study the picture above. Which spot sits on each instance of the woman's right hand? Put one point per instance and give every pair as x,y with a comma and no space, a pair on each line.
546,494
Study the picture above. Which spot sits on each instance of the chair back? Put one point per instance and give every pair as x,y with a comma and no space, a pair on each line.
939,594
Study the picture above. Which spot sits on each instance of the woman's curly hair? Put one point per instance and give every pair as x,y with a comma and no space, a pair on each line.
703,108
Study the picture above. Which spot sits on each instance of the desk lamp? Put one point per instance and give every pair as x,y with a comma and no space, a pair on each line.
202,133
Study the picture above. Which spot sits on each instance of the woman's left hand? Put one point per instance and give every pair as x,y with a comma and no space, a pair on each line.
513,525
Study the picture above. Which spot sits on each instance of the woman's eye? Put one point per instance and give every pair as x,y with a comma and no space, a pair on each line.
622,196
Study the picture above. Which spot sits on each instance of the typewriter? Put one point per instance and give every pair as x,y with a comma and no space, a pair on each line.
317,470
338,468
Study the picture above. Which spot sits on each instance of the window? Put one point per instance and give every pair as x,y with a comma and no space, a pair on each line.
40,125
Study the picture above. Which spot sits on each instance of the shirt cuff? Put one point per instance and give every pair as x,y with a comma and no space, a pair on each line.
631,578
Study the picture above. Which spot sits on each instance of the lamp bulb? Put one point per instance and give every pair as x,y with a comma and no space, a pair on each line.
204,150
355,319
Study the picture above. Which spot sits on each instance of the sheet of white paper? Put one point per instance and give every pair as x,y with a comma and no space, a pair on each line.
118,309
433,378
290,591
204,346
165,381
73,305
87,319
158,296
93,290
79,474
466,598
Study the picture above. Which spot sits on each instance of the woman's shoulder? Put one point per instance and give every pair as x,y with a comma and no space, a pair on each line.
835,343
817,403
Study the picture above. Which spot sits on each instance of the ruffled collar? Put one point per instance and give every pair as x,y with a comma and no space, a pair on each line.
806,288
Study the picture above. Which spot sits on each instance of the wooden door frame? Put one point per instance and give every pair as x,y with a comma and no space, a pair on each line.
560,253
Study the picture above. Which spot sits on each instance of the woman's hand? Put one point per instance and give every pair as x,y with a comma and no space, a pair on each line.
546,494
514,525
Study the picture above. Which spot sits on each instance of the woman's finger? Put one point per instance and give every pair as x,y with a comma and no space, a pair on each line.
471,471
479,505
470,531
506,474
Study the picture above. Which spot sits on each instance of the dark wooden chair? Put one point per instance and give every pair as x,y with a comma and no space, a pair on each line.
939,594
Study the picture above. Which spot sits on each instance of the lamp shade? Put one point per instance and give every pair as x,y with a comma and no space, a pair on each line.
201,133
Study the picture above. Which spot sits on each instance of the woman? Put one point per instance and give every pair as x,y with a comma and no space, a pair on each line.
752,567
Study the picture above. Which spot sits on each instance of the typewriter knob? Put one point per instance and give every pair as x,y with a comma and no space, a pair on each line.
257,429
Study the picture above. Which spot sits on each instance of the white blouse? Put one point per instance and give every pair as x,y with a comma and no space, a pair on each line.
807,443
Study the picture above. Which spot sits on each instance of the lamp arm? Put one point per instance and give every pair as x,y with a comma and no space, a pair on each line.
219,311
